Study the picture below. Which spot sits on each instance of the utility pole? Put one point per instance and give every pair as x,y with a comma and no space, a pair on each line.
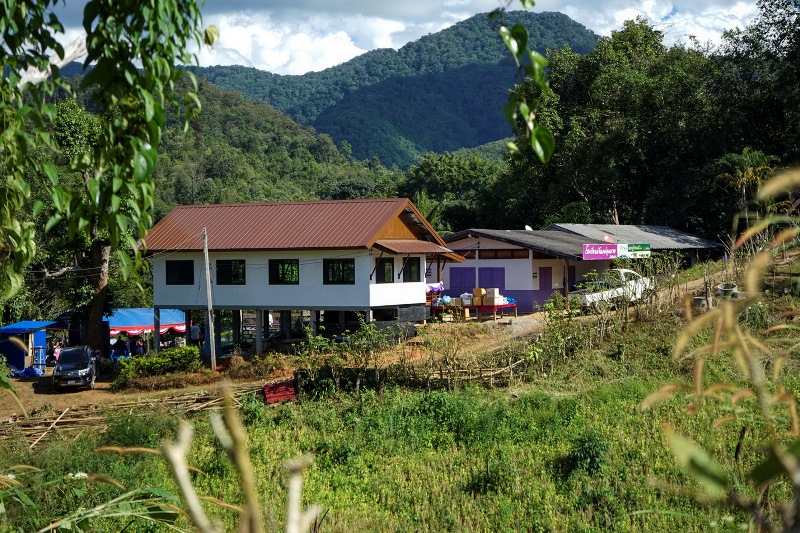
210,313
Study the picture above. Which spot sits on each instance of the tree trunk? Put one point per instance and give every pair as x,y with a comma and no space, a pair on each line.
99,261
615,212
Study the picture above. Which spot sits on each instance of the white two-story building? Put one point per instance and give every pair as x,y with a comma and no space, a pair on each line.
333,258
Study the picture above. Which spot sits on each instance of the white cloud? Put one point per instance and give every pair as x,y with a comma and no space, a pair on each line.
297,36
679,19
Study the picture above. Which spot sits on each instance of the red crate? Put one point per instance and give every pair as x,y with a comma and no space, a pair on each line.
282,391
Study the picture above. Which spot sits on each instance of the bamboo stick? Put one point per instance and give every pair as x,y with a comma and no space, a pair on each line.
48,429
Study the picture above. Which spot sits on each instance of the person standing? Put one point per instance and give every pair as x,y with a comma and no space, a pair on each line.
194,335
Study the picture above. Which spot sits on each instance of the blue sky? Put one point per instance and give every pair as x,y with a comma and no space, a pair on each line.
297,36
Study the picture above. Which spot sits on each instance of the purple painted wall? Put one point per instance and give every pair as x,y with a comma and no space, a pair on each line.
524,300
462,279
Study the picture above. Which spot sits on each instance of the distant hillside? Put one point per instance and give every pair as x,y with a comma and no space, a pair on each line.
494,151
243,151
442,92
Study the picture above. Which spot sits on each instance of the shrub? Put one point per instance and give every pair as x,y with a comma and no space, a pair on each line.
588,455
181,359
757,316
253,409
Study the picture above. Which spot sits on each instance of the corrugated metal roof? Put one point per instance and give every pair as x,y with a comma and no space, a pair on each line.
659,237
280,225
411,246
556,243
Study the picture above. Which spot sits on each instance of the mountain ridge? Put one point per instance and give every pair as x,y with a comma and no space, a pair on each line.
326,100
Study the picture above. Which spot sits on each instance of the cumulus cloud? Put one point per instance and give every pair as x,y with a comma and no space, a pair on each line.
678,20
298,36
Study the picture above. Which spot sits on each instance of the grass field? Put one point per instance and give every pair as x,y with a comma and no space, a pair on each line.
564,447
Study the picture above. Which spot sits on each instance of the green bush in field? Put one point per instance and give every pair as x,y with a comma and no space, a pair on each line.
758,316
588,454
180,359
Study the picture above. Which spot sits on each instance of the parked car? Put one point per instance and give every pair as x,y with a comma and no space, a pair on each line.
76,367
613,286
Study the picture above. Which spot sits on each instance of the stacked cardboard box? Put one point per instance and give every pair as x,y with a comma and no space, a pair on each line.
477,296
487,297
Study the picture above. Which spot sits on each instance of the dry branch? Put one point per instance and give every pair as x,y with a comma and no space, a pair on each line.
75,420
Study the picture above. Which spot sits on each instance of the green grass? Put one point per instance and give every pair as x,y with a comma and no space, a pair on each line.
567,451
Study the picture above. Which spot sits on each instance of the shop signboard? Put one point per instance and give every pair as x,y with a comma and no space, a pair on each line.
600,252
639,251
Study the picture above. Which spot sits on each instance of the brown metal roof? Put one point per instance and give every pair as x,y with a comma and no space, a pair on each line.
282,225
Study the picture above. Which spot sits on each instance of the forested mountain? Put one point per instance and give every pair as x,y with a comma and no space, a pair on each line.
444,91
238,150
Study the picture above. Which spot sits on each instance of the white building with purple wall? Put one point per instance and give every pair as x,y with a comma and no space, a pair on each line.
531,265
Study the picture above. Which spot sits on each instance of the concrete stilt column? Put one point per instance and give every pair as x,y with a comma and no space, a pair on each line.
313,321
286,324
217,331
237,326
259,331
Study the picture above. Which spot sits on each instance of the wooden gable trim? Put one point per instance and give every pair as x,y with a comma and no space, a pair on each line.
397,228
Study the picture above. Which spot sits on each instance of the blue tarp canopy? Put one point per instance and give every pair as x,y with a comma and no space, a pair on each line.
26,326
138,320
16,353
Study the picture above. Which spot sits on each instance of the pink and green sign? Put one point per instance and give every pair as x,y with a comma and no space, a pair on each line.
600,252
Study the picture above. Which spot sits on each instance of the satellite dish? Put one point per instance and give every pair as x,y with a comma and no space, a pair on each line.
528,228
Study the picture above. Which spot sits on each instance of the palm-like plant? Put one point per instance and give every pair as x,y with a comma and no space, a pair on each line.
745,172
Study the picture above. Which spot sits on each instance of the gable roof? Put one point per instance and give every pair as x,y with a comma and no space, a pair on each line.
659,237
288,225
558,244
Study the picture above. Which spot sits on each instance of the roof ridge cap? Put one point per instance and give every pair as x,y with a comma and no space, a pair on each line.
292,202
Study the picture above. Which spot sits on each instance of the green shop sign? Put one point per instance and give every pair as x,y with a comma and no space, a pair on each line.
638,251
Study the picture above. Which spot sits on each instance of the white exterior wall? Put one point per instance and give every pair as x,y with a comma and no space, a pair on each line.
310,293
398,292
